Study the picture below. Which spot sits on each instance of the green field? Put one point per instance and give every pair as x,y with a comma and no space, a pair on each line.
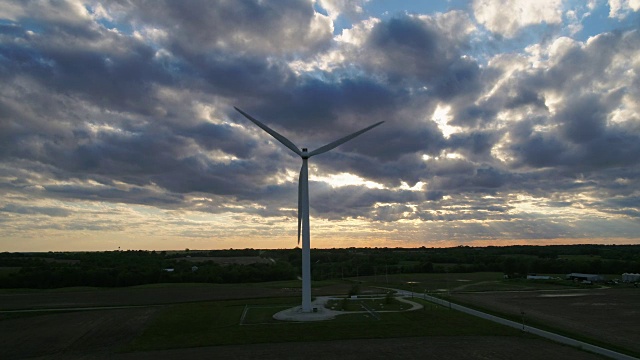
580,257
372,304
190,315
298,283
218,323
456,282
429,281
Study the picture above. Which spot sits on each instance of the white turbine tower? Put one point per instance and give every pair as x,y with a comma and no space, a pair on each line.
303,198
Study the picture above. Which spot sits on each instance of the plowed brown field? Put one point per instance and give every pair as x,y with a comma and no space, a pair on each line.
609,315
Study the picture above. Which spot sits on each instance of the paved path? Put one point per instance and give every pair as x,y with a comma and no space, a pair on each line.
546,334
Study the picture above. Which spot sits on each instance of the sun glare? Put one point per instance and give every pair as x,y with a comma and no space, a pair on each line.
442,117
346,179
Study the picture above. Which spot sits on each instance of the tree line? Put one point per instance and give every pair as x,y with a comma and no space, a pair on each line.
127,268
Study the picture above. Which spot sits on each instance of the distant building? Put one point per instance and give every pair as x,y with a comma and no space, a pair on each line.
584,277
630,277
538,277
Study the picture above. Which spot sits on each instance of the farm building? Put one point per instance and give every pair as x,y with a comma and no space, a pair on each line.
584,277
629,277
538,277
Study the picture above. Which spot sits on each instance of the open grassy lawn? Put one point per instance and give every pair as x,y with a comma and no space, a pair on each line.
191,317
522,285
580,257
218,323
429,281
379,304
464,282
298,283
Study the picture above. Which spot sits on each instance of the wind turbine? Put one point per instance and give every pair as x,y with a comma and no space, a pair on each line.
303,197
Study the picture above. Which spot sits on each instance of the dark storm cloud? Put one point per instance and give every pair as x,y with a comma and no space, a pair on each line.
526,96
222,137
154,150
540,150
390,213
42,129
85,109
116,74
408,47
253,79
407,39
111,193
318,112
583,119
167,159
242,26
467,178
355,201
586,140
475,145
403,50
461,76
580,135
328,107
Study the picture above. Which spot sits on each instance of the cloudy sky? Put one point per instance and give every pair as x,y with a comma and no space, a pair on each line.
510,121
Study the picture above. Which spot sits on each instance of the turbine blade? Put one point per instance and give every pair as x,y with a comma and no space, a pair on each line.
272,132
339,142
300,203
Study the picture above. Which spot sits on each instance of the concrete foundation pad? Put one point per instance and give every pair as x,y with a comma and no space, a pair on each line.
296,314
318,313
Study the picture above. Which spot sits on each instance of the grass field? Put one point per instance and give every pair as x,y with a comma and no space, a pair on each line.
580,257
193,316
218,323
431,282
464,282
372,304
